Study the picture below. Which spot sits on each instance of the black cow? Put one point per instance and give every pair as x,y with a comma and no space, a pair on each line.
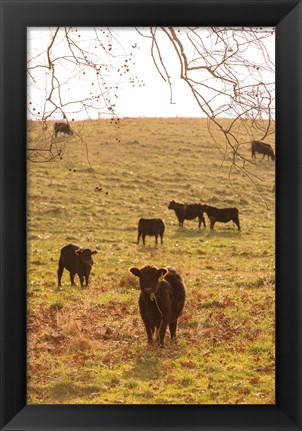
62,128
262,148
161,300
187,212
76,260
152,227
222,215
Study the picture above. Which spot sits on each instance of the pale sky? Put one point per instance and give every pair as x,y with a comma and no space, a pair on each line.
149,97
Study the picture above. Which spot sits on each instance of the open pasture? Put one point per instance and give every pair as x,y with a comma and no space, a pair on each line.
89,345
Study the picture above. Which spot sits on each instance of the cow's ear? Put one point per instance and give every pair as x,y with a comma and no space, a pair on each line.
94,252
78,251
135,271
161,272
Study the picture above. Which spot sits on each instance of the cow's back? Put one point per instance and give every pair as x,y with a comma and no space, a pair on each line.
69,258
63,128
151,226
158,224
178,291
262,147
192,211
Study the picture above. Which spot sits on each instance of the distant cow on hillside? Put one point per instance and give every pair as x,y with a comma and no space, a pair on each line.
152,227
222,215
76,260
262,148
187,212
62,128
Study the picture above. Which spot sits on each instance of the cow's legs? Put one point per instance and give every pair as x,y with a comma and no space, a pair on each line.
86,279
72,274
161,238
149,332
81,277
60,271
201,220
138,237
156,236
172,327
144,236
212,223
180,222
162,332
236,221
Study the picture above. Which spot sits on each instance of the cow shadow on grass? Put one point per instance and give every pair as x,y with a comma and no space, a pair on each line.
183,232
149,360
205,232
223,233
149,247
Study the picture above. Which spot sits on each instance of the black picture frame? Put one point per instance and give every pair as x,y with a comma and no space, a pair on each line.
16,16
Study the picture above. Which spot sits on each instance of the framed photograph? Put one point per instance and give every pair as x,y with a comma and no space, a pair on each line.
151,215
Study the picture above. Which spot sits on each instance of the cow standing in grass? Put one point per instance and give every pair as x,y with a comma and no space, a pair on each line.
152,227
222,215
76,260
262,148
187,212
161,300
62,128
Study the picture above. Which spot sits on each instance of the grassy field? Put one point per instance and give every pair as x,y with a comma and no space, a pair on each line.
89,345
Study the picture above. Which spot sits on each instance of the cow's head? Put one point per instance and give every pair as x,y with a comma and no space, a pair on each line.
149,278
171,205
86,255
204,207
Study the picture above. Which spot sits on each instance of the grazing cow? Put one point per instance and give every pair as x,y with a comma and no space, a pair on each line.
262,148
62,128
76,260
187,212
222,215
152,227
161,300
